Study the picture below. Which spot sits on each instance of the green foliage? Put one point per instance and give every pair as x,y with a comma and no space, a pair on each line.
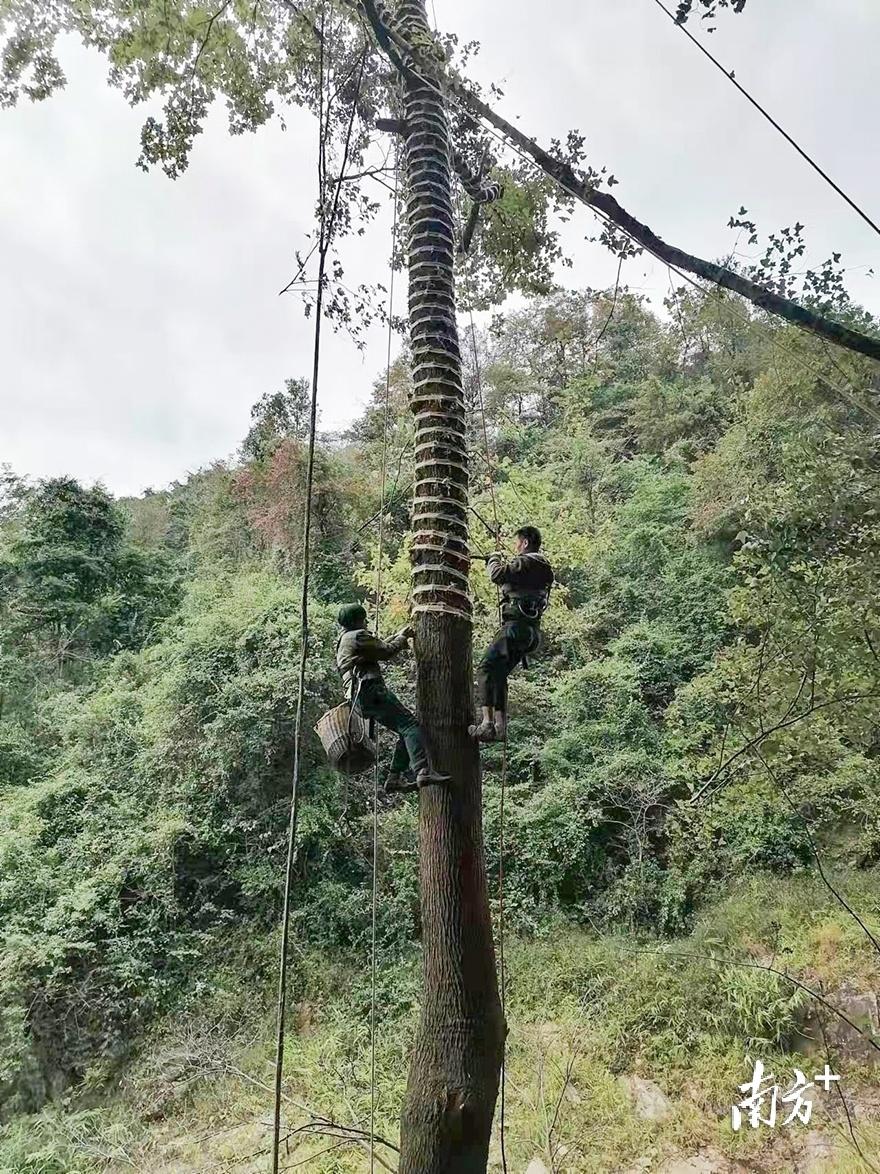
164,50
583,1009
73,590
276,417
20,758
712,513
712,520
163,826
679,420
518,248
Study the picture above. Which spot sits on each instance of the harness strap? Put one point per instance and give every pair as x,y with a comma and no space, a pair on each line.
352,702
351,671
530,604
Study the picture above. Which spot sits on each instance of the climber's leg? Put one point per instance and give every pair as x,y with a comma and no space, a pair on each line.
391,713
492,677
509,649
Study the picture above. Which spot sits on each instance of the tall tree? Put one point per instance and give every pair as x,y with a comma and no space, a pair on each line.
453,1080
71,587
276,416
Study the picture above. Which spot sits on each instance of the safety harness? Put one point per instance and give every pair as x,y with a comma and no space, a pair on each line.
527,603
528,606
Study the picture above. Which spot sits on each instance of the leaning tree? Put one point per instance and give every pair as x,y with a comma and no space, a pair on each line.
391,71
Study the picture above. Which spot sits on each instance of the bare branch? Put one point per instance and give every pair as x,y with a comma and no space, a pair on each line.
783,724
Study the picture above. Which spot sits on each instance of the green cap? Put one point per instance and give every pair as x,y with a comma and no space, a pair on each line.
351,616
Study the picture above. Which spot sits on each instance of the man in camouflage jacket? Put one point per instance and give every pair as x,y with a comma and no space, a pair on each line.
525,582
359,654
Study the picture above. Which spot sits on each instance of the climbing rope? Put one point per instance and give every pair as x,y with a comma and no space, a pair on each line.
383,478
326,225
478,380
502,970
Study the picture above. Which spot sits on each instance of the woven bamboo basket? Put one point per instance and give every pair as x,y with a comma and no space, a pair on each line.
346,739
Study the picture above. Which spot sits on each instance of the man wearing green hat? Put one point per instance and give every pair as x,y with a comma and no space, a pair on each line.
358,656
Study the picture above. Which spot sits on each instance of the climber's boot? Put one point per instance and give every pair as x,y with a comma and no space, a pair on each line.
400,783
484,732
428,776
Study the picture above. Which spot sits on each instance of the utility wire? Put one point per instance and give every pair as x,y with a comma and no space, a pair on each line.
304,628
490,474
729,74
327,224
502,977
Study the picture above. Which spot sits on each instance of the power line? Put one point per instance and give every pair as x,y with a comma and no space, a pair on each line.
502,966
729,74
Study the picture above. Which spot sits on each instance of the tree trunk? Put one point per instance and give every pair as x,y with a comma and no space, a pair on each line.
456,1062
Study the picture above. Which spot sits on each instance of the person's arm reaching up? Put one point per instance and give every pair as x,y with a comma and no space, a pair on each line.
369,647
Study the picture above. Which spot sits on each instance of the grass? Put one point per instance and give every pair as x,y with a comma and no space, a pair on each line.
583,1010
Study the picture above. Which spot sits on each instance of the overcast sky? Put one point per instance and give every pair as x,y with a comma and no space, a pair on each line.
139,318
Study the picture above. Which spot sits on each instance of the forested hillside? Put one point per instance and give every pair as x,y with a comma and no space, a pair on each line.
693,766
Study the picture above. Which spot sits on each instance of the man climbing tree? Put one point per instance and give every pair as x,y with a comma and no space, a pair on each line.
358,656
525,583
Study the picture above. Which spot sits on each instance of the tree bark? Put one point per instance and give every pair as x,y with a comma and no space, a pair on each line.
454,1072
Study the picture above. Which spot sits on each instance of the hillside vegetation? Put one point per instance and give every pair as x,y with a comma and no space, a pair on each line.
702,724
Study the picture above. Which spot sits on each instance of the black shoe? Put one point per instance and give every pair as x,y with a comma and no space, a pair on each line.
484,732
400,784
430,777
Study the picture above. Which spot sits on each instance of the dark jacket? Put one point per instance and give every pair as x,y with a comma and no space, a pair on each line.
358,654
525,583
